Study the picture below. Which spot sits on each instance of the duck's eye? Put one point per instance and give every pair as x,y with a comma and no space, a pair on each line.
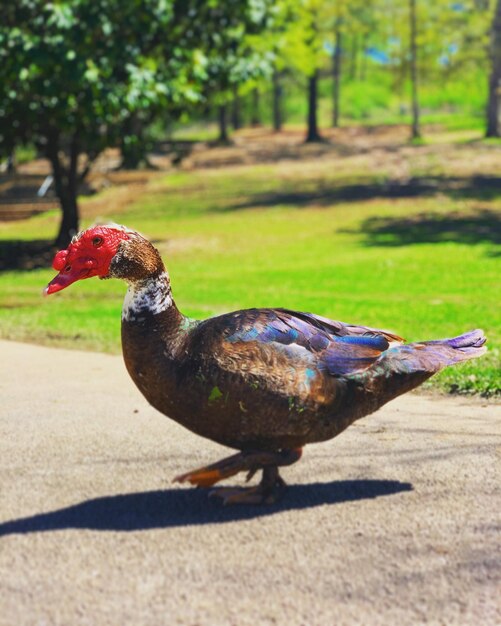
97,241
67,268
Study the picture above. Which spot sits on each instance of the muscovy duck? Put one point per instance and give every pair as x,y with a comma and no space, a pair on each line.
263,381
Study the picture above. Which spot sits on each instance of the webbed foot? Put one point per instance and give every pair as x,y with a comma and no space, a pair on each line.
269,489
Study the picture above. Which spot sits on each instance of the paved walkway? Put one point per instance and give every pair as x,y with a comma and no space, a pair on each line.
397,521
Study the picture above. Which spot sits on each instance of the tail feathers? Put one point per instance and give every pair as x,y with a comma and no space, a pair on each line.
432,356
470,341
404,367
467,346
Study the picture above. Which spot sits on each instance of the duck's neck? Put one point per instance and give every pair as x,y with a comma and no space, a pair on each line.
153,331
147,297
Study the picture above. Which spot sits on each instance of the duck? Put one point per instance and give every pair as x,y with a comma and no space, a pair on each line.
263,381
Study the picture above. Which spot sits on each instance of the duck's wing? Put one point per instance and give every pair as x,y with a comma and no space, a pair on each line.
336,328
334,347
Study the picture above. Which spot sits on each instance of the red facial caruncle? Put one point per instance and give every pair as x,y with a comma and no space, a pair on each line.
88,255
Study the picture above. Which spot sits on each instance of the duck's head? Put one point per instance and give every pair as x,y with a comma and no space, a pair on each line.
103,251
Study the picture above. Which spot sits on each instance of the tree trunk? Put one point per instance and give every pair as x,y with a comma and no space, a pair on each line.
11,162
416,130
494,102
235,111
223,124
70,221
134,154
255,117
313,134
66,186
133,147
277,102
336,78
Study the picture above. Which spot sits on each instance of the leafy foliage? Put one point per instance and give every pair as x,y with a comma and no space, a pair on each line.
72,74
73,67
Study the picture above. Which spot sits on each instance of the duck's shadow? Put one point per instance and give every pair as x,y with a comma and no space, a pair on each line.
190,507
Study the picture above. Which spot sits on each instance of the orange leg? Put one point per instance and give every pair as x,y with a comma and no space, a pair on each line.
269,489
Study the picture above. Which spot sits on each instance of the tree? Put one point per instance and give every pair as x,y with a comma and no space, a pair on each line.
255,112
134,142
494,101
441,44
236,56
272,43
236,121
416,131
313,43
301,45
223,123
315,22
336,75
277,102
73,74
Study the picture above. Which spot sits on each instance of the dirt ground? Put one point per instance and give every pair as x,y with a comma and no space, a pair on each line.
381,151
394,522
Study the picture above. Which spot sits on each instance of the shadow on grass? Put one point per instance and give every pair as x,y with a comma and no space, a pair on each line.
190,507
258,150
481,226
26,255
475,187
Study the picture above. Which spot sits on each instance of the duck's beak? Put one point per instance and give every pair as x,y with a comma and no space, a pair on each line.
70,270
65,279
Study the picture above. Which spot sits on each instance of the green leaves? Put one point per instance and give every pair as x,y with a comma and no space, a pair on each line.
78,76
91,63
91,74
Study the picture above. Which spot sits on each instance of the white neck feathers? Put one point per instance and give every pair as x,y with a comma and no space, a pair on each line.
144,297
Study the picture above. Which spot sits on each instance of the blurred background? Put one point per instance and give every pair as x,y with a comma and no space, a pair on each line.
331,156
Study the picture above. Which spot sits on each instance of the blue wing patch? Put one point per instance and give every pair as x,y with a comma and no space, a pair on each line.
337,348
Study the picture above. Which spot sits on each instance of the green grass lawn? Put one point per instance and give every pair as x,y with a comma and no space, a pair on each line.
262,236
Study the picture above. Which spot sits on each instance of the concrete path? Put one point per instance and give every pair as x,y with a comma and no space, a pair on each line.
397,521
